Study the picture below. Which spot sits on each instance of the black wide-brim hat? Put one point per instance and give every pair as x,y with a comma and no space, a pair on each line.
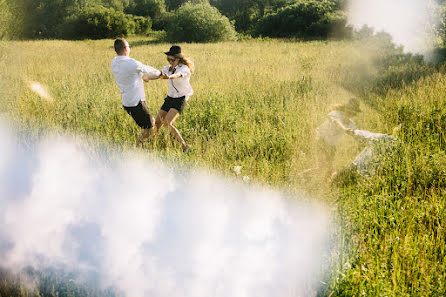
174,51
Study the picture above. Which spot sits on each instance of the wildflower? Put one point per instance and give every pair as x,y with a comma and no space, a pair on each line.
237,169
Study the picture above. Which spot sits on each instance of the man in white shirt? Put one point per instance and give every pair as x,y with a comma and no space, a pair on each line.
128,75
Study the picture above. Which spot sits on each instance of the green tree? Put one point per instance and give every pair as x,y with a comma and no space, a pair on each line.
199,22
174,4
154,9
245,13
143,25
45,18
96,22
305,19
5,19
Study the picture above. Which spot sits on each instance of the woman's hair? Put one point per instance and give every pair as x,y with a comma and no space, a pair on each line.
351,106
188,62
335,106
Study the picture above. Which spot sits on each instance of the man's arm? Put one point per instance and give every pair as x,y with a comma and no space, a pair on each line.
369,136
182,73
150,73
343,127
148,76
172,76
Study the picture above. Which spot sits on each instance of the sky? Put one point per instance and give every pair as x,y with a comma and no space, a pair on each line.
408,21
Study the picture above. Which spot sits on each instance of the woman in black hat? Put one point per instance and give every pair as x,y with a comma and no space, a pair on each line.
178,74
330,131
328,134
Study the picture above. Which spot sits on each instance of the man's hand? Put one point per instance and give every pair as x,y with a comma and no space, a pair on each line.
164,76
151,76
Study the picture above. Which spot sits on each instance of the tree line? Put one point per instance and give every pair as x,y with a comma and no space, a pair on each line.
182,20
197,20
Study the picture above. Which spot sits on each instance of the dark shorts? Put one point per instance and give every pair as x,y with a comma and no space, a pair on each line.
141,114
176,103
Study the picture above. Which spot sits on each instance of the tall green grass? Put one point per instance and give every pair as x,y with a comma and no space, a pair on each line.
393,221
256,105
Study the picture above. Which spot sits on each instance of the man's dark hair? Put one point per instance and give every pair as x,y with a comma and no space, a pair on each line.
119,45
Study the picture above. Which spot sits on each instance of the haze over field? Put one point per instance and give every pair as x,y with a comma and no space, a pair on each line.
161,229
409,22
132,220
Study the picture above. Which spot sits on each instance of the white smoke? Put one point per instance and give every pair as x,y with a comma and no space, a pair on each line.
410,22
150,230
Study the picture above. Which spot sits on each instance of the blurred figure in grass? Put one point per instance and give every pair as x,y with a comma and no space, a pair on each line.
128,75
178,74
366,163
330,131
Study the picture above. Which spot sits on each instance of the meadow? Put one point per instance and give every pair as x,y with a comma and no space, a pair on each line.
256,105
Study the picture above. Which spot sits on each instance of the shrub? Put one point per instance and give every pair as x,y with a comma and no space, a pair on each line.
5,19
143,25
161,22
304,19
199,22
96,22
146,8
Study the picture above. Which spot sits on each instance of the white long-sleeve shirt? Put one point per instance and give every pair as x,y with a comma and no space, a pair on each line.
128,76
179,87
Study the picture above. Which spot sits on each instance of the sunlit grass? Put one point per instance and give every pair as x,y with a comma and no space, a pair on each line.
256,105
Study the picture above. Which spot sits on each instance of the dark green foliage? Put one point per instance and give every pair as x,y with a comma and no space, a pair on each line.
146,8
5,19
174,4
246,13
305,19
96,22
42,17
198,22
153,9
161,22
143,25
66,19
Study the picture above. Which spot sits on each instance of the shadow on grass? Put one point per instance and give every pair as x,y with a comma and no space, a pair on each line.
143,42
155,37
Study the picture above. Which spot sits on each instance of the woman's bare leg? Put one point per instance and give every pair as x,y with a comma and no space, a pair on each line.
169,119
159,120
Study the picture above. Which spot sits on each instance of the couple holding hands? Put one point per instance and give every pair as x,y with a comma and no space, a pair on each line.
129,76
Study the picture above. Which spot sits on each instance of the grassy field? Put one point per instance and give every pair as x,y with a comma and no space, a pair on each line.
256,105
